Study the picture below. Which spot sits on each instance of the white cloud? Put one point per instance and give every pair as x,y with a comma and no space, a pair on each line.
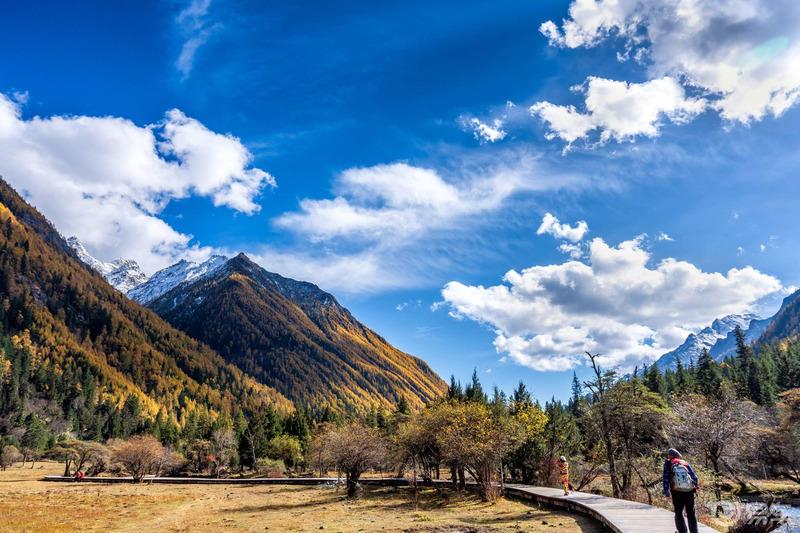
193,24
105,179
664,237
739,250
620,110
487,132
743,55
573,250
615,303
763,248
391,203
551,226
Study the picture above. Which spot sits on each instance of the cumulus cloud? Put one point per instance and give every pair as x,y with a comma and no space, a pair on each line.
615,303
552,226
619,110
195,28
484,132
744,56
105,179
664,237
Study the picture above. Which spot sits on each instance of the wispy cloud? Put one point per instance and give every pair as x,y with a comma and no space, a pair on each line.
195,27
404,225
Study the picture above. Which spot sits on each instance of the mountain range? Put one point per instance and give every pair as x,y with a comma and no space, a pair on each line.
287,334
720,339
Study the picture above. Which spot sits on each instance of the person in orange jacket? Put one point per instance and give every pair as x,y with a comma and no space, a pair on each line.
563,469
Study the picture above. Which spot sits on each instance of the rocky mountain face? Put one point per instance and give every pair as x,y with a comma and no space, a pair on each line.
122,274
297,338
785,323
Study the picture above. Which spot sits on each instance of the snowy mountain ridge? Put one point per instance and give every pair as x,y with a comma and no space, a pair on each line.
168,278
122,274
126,276
710,337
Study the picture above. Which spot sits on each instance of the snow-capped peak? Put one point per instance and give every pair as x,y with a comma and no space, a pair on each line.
166,279
707,338
122,274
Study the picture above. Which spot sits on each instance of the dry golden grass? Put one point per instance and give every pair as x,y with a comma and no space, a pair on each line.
27,504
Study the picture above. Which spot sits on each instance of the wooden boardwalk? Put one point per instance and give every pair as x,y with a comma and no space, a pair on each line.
619,516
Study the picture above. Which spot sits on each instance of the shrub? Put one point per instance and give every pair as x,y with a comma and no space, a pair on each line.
287,449
143,455
9,456
270,467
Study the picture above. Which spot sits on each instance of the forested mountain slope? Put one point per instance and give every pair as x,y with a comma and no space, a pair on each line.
296,338
786,322
76,349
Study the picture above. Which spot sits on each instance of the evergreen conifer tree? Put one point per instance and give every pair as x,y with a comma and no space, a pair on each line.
707,376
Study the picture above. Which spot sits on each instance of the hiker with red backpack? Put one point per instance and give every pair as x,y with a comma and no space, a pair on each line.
681,483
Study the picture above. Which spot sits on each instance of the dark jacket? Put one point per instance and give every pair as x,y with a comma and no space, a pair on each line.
668,474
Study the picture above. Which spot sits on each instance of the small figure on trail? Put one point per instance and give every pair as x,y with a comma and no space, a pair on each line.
681,482
563,469
79,475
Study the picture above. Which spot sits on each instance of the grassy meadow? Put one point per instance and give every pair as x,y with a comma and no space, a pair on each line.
30,505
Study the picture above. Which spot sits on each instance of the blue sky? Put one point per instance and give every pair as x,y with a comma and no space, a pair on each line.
403,156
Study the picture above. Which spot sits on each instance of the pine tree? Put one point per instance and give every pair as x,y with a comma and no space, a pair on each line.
683,381
746,383
402,407
35,438
654,381
753,385
707,376
455,391
474,391
131,415
767,379
577,399
521,398
786,357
